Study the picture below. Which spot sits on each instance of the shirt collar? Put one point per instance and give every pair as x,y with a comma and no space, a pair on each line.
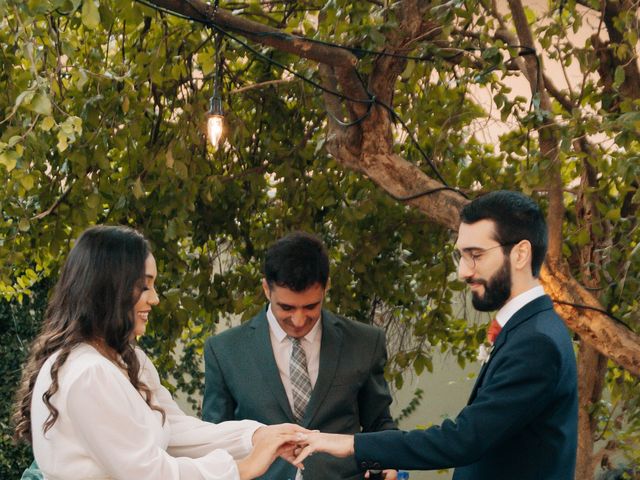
281,335
516,303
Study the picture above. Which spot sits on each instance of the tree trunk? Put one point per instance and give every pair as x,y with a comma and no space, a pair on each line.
592,367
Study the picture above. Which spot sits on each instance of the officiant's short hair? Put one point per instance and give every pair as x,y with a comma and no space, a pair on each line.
297,261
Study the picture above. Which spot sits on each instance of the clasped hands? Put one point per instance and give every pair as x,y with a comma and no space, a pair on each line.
294,444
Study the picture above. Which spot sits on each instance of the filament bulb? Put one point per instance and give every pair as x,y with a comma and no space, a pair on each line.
214,128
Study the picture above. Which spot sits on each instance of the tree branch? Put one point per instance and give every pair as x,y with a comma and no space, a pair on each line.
262,85
55,205
610,338
373,155
257,32
556,93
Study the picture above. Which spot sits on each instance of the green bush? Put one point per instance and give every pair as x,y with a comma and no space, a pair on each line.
20,324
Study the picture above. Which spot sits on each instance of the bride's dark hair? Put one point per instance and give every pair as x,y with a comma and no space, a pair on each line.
99,284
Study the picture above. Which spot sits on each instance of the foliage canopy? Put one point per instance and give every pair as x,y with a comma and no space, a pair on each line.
102,121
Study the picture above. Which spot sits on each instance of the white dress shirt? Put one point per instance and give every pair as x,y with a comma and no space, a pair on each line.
516,303
282,347
105,430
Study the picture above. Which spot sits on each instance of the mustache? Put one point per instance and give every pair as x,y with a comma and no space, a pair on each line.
476,281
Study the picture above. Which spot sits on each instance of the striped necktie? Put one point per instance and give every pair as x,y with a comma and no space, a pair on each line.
300,381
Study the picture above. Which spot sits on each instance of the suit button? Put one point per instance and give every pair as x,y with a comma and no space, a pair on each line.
376,466
364,465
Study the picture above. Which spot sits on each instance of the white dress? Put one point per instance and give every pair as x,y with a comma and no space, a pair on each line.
105,430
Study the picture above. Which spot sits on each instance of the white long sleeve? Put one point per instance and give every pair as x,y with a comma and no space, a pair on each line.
190,436
105,430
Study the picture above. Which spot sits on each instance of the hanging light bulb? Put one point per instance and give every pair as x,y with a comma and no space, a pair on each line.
215,118
214,128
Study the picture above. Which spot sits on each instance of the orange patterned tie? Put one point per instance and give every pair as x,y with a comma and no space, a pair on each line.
493,331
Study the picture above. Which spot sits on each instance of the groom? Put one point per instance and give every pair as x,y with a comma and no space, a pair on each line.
521,419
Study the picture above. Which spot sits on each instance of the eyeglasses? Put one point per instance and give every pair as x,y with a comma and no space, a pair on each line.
471,257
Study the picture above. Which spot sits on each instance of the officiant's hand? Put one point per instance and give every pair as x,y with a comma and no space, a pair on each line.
332,443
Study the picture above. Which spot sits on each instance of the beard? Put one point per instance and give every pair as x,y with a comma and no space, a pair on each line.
497,289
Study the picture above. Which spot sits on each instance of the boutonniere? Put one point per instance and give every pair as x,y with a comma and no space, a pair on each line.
484,352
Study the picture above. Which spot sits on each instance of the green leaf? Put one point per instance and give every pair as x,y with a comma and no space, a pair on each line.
24,98
62,141
47,124
530,14
93,200
27,181
583,237
90,14
9,160
181,169
613,214
40,104
618,77
23,225
138,191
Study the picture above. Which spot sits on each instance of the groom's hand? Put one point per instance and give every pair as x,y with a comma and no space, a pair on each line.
331,443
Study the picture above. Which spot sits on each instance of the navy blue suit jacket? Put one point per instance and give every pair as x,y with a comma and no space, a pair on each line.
350,395
520,421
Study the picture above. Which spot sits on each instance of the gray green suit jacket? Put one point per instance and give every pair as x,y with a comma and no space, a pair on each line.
350,395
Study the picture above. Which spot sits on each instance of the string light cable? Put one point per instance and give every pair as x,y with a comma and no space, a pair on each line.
359,52
215,116
595,309
370,102
285,36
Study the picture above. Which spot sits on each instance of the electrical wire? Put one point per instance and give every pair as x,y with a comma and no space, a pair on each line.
595,309
369,100
361,52
372,99
285,36
427,192
170,12
358,52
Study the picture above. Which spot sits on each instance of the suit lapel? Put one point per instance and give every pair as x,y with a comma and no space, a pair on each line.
330,348
500,341
533,307
266,362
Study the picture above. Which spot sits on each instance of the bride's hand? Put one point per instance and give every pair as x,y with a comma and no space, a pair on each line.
270,442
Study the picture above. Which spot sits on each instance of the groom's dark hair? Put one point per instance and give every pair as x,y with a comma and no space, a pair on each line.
516,217
297,261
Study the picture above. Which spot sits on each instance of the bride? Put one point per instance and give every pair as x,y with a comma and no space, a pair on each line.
91,402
